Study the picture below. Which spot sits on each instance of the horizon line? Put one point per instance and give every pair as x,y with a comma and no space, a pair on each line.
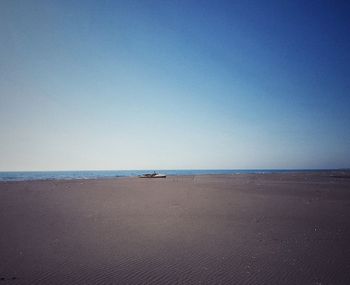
182,169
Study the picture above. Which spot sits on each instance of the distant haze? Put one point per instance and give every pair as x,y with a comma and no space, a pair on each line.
174,84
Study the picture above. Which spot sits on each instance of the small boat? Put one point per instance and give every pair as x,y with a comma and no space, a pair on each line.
152,175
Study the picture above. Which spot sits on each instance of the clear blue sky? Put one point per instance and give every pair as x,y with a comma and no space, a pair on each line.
174,84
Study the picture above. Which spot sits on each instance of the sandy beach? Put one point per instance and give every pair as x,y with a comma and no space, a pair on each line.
211,229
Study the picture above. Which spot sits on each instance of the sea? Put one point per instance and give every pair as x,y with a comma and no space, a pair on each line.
109,174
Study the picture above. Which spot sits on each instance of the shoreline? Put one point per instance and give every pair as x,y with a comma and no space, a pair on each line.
345,173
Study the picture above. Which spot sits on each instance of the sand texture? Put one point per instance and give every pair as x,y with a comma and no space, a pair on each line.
211,229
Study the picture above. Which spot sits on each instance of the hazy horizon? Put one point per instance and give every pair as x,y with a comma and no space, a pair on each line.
98,85
180,169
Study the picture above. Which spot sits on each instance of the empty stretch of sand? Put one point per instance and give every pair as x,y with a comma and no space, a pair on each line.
222,229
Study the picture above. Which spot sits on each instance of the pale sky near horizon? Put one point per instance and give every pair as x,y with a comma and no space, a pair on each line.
174,84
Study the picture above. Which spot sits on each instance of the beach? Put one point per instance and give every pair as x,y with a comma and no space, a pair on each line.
285,228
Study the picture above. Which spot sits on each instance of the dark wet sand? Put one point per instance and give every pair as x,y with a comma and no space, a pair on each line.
229,229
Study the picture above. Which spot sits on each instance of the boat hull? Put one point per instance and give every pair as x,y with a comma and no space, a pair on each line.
152,176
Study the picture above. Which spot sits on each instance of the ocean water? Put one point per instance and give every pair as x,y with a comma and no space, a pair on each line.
69,175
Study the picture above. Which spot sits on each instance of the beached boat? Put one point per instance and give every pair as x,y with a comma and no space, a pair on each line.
152,175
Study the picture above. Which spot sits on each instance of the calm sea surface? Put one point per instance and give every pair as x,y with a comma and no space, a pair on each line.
68,175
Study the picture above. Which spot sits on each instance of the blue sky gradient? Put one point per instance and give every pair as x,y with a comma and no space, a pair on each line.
174,84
